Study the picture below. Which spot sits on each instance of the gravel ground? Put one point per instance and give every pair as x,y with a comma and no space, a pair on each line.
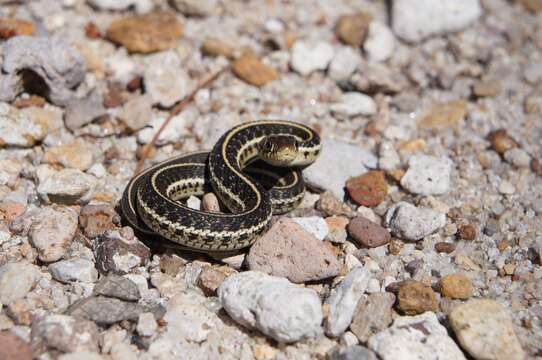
420,237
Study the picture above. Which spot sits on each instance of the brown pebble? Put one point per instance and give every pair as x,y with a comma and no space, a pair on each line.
146,33
395,246
414,297
368,233
369,189
114,96
135,83
13,347
253,71
500,141
536,167
531,5
215,47
444,114
502,245
32,100
330,205
95,219
490,87
92,31
456,286
352,29
445,247
467,232
15,27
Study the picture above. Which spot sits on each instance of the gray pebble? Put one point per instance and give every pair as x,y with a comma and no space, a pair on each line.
72,270
413,223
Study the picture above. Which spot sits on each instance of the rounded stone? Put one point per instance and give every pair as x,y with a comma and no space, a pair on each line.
368,233
456,286
414,297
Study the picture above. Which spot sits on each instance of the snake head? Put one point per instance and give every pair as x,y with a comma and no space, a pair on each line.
278,150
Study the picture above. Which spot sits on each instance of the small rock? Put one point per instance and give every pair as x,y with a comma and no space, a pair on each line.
210,202
518,157
146,324
444,114
119,251
193,202
80,112
388,157
59,65
276,307
380,42
445,247
166,80
484,329
353,104
210,279
288,250
308,57
344,63
10,27
66,271
64,333
456,286
352,352
343,300
13,347
172,134
215,47
18,128
52,232
330,205
368,233
16,280
337,162
352,29
368,189
467,232
253,71
314,225
97,219
372,315
414,297
413,223
500,141
67,186
77,155
414,21
419,337
137,112
506,188
155,31
488,87
195,7
118,287
427,175
106,311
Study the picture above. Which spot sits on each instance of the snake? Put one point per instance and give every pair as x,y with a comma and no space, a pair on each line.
254,169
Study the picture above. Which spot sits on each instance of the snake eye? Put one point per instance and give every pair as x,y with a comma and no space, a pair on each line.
268,146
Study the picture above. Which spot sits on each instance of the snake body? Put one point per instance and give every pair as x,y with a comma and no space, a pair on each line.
252,190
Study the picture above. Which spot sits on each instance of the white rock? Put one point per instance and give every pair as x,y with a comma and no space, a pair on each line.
193,203
413,223
166,81
97,170
518,157
380,42
353,104
188,319
351,262
176,129
388,157
146,324
348,339
343,300
506,188
16,280
418,337
427,175
278,308
308,57
368,213
314,225
67,186
414,20
337,162
9,171
344,63
66,271
17,128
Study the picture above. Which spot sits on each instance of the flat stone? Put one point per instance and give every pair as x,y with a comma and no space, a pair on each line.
331,206
414,21
13,347
380,42
369,189
18,128
74,270
80,112
427,175
147,33
353,104
485,330
119,251
372,315
215,47
414,297
352,352
308,57
278,308
253,71
64,333
16,280
314,225
409,222
76,155
137,112
343,300
419,337
96,219
119,287
52,231
456,286
288,250
146,324
352,28
444,114
345,61
337,162
368,233
210,279
67,186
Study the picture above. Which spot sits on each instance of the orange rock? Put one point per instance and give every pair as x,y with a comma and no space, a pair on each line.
352,29
214,47
414,297
251,70
501,141
336,222
146,33
368,189
467,232
444,114
456,286
15,27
